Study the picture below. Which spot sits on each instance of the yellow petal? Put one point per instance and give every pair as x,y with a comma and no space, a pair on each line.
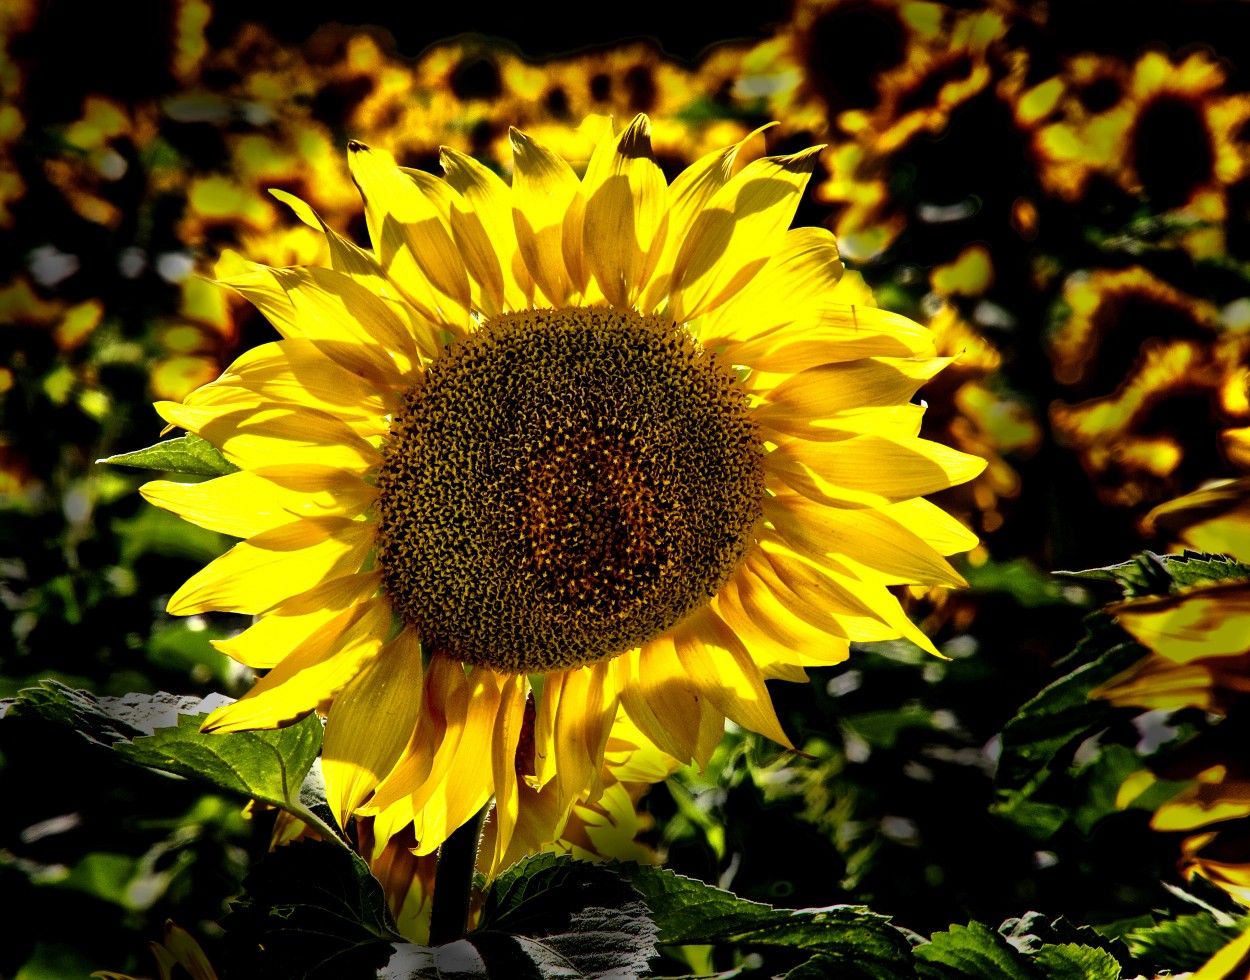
335,307
688,195
318,670
304,372
867,470
414,245
275,565
1213,621
543,187
587,709
835,332
942,532
734,236
821,393
722,670
252,501
469,780
427,757
258,436
801,277
507,735
273,636
776,637
666,705
626,215
865,535
488,204
370,722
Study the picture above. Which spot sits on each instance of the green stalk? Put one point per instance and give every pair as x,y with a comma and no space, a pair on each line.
453,881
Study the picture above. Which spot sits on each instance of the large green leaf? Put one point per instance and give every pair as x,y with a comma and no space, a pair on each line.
1183,943
161,731
1072,962
189,454
1044,732
972,951
309,911
268,766
1149,574
545,917
687,911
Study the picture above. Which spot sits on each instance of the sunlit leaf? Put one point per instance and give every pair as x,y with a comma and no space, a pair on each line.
1183,943
860,942
972,952
189,454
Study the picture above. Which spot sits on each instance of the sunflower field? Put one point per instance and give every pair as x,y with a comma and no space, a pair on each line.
643,492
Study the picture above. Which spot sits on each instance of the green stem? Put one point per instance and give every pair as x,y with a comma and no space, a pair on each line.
453,881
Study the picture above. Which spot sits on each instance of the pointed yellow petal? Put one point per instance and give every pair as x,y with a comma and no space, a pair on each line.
587,709
413,242
489,203
626,215
332,306
821,393
775,636
868,470
804,274
370,722
507,736
866,536
318,670
543,187
721,668
666,705
688,195
273,636
303,372
273,566
942,532
252,501
469,779
427,757
1209,622
740,229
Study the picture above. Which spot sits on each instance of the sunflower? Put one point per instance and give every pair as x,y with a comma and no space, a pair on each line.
603,443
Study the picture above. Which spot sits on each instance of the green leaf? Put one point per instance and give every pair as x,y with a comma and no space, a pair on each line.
1033,931
161,731
972,952
1019,578
1072,962
1057,720
190,454
309,910
1149,574
104,721
268,766
1183,943
547,916
860,942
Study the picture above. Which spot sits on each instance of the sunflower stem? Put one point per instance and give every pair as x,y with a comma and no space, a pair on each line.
453,881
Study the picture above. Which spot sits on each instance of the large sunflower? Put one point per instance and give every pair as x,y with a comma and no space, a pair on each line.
610,442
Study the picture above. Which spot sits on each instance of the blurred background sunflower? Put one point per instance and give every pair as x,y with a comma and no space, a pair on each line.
1060,199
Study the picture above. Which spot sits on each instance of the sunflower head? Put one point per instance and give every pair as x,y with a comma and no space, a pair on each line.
602,445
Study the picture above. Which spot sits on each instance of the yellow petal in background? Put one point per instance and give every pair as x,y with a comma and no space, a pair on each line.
1209,622
370,722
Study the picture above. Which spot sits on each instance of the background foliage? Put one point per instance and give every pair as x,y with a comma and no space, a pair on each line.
1062,197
